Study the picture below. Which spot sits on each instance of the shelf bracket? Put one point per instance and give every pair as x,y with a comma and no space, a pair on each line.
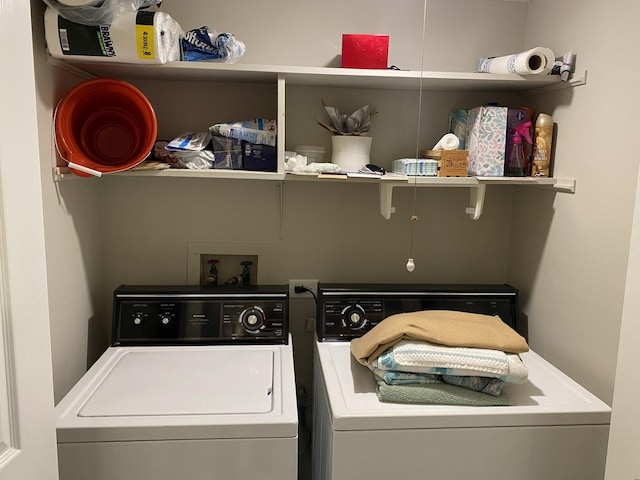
386,198
565,185
476,198
571,83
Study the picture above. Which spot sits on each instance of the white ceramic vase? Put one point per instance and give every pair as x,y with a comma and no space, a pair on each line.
350,152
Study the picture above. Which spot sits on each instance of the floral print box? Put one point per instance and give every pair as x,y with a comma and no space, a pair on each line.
486,139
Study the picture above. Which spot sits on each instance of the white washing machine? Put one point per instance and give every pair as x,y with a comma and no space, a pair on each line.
198,384
555,429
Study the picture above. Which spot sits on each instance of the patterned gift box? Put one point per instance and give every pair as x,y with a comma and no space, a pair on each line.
486,140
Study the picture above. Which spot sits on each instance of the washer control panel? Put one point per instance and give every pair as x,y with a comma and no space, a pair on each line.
200,315
351,316
348,311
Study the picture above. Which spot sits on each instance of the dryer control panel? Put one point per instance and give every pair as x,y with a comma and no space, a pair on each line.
188,315
347,311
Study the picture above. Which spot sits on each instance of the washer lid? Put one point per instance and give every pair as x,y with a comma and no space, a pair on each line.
184,382
549,397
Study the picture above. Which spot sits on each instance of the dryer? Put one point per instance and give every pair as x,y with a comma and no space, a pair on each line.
555,429
197,384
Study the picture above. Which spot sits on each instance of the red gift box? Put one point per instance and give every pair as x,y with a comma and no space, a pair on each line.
365,51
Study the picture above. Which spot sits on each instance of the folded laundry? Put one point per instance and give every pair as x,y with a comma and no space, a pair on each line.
444,327
442,394
518,372
488,385
426,354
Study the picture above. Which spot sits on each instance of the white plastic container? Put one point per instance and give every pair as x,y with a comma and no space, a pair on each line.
314,153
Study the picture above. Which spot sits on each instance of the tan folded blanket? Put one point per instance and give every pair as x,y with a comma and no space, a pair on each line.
445,327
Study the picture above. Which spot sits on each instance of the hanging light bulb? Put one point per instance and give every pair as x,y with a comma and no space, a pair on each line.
410,265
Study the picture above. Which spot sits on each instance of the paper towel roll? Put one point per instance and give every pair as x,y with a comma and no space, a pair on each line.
537,61
447,142
134,37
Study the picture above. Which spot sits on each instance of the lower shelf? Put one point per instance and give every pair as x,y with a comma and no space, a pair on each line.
477,185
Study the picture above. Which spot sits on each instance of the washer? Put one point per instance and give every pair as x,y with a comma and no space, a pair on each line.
198,384
554,430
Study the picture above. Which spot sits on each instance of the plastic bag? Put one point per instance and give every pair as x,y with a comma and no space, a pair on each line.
194,160
205,44
101,14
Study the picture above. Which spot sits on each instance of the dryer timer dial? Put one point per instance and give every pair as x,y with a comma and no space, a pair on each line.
354,317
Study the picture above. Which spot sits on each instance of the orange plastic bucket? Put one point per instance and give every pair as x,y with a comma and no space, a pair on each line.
104,125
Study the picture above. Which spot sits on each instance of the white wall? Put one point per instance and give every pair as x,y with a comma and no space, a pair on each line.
290,32
569,253
72,216
624,441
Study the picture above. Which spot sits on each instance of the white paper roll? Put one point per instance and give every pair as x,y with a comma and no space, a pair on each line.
537,61
134,37
447,142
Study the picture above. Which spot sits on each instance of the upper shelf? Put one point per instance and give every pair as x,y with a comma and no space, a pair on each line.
318,76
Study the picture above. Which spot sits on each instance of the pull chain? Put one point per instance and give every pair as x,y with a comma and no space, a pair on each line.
411,266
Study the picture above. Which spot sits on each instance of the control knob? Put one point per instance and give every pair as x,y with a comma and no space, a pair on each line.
354,317
252,319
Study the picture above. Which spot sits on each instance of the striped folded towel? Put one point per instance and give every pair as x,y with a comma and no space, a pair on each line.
427,358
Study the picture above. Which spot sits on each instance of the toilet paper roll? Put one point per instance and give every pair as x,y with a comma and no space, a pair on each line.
537,61
134,37
447,142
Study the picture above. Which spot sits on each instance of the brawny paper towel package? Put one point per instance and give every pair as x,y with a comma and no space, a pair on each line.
486,139
133,37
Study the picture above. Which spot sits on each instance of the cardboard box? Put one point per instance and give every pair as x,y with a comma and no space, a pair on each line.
365,51
486,140
227,152
453,163
262,158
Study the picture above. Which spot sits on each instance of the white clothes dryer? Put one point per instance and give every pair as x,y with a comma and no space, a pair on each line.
555,429
198,384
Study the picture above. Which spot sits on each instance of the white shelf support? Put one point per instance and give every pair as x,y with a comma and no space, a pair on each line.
386,199
571,83
476,198
567,185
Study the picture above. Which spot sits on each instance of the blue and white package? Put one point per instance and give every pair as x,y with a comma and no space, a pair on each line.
205,44
258,131
189,141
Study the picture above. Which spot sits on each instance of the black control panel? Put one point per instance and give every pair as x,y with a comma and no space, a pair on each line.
195,315
347,311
